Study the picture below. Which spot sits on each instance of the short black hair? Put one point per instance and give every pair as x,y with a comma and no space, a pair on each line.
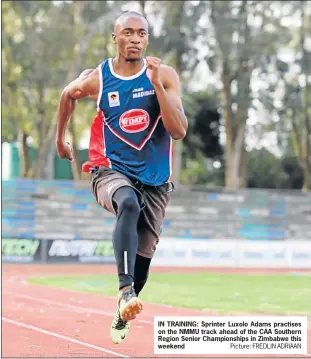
129,13
132,13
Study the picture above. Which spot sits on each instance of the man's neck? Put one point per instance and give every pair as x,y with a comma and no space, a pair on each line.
126,68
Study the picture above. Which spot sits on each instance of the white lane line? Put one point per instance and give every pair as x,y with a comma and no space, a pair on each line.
71,306
40,330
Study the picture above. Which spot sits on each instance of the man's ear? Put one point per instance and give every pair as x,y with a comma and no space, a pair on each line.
114,36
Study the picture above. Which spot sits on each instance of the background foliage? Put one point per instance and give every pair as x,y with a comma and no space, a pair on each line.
245,70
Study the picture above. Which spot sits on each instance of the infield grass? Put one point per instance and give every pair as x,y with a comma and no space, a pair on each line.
221,293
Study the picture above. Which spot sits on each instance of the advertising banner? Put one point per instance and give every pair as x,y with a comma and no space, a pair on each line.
173,252
263,254
170,252
20,250
80,251
233,253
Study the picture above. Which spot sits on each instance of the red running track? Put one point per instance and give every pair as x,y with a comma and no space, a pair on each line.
51,322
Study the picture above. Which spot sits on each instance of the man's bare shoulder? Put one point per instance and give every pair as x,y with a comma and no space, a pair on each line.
85,85
168,70
89,73
86,72
169,76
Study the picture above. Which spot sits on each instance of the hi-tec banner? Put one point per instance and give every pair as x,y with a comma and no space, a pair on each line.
57,251
20,250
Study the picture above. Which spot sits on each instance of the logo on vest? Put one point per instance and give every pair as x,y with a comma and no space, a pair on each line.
141,93
134,121
114,99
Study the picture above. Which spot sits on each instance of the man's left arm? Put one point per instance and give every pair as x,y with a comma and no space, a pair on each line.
168,91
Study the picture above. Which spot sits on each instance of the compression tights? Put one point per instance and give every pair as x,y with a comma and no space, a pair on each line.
132,268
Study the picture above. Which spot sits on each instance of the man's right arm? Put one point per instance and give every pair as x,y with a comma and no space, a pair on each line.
86,85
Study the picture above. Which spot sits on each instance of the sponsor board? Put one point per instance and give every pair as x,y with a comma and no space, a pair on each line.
81,251
20,250
262,253
57,251
233,253
274,254
176,252
300,254
170,252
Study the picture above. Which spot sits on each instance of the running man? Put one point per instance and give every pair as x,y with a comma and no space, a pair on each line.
139,111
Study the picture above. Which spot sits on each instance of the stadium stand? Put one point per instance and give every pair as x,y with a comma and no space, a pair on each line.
67,210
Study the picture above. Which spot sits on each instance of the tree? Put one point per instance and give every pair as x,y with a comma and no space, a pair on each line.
242,39
288,96
225,23
301,123
265,170
38,66
202,143
204,126
34,47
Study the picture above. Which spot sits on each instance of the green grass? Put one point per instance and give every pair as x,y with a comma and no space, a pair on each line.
222,293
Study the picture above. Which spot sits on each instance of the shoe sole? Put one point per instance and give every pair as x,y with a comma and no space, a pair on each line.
133,307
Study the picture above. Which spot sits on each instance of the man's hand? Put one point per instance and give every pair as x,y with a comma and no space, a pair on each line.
64,150
153,70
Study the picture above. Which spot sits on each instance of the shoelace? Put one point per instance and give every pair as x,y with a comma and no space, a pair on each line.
127,295
119,323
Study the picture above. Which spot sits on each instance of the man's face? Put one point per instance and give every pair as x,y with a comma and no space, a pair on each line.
131,37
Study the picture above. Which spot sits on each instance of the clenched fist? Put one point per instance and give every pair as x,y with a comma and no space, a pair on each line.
153,70
64,150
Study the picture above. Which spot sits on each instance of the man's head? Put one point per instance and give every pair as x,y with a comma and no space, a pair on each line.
131,35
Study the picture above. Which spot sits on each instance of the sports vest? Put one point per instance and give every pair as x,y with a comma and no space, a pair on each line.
128,134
